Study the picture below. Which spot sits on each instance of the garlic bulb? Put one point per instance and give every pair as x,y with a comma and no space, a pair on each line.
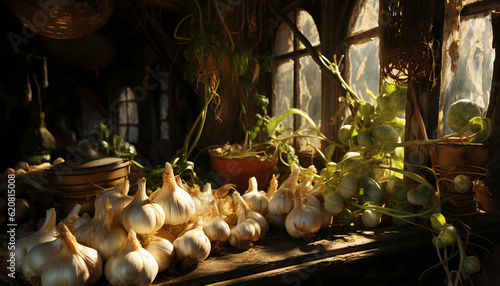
273,186
183,185
47,233
281,202
256,200
74,264
73,221
223,191
37,258
176,202
251,214
83,232
142,215
245,232
198,203
132,265
192,247
306,185
118,197
202,199
108,236
216,229
304,219
162,250
227,207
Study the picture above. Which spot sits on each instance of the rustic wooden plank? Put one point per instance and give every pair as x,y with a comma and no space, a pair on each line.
278,251
345,254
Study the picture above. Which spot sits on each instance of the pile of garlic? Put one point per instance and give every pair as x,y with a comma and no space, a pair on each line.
133,238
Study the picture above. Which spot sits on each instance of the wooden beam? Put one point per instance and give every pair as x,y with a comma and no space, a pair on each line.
480,7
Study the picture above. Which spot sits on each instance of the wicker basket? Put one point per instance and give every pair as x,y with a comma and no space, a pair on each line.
81,184
62,19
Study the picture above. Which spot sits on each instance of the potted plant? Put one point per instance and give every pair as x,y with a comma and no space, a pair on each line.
264,144
465,148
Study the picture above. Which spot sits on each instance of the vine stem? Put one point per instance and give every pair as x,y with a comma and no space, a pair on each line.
462,257
201,117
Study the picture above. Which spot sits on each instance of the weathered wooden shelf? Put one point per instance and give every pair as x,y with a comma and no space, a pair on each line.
386,255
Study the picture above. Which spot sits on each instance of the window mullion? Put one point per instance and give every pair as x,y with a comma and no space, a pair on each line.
296,80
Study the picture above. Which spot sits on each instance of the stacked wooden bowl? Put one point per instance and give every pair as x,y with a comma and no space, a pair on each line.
80,183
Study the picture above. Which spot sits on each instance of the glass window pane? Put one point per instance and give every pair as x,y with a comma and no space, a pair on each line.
283,43
122,131
122,113
310,95
133,134
133,116
130,94
307,26
283,90
165,130
123,95
367,17
475,67
364,68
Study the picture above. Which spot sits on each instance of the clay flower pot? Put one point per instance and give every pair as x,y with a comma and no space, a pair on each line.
238,170
452,154
451,158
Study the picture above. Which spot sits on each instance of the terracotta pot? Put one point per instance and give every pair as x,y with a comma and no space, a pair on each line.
451,154
239,170
451,158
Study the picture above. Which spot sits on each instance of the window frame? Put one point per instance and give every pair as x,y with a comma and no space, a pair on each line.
127,124
295,55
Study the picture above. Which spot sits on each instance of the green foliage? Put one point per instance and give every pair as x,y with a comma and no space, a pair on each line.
114,145
460,112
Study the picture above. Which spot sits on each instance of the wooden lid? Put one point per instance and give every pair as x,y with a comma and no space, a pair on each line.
97,164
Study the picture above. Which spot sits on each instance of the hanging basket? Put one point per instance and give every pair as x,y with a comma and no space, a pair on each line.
407,38
62,19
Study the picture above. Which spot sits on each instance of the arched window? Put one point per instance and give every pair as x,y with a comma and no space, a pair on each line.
363,48
469,74
128,116
296,77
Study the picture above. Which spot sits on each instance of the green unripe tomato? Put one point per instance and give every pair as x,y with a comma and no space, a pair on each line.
448,235
366,108
371,218
346,217
345,133
438,221
334,203
471,265
348,186
324,173
476,124
462,183
399,192
419,196
331,167
460,112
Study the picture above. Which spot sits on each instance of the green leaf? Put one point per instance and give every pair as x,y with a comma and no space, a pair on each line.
273,124
329,151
